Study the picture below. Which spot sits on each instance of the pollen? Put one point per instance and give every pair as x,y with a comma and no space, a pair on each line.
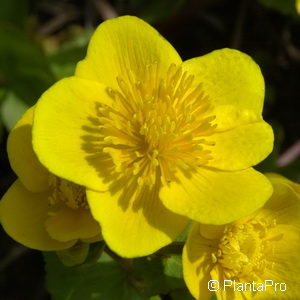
244,248
156,125
67,193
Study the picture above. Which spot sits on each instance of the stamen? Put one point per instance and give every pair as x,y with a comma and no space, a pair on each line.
67,193
157,124
244,249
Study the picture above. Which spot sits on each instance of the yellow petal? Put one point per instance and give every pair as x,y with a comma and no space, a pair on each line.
125,45
234,84
241,147
22,159
284,264
134,227
278,180
65,131
227,292
284,204
23,215
211,232
216,197
68,224
197,263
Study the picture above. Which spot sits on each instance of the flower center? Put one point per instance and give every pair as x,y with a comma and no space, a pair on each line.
244,248
67,193
157,124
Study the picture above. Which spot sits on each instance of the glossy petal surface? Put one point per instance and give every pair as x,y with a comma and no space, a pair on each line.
216,197
134,225
122,46
234,84
23,215
23,160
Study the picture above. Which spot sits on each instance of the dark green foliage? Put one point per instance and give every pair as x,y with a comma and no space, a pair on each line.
115,279
283,6
101,281
155,10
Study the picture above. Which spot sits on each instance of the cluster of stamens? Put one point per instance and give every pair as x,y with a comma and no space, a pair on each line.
66,193
156,124
244,248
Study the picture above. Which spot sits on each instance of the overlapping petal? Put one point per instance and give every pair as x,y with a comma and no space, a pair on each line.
23,215
134,222
285,262
103,123
34,211
23,160
68,224
65,132
268,254
216,197
122,46
241,147
197,268
284,203
234,84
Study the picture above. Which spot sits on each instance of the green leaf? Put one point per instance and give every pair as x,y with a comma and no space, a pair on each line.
14,12
155,298
63,61
173,266
149,271
283,6
105,280
184,234
12,108
173,271
155,10
24,68
181,294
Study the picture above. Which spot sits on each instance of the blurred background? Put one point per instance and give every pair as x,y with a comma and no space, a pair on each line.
41,41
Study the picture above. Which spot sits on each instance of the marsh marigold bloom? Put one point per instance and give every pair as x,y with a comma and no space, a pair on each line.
41,210
154,139
262,248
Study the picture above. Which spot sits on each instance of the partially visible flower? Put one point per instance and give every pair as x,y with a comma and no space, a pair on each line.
259,248
298,6
41,210
154,138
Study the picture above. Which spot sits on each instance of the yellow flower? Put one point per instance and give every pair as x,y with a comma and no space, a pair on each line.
153,138
41,210
255,257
